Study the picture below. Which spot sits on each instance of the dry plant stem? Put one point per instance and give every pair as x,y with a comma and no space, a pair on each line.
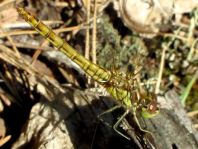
192,50
30,46
174,36
47,51
191,28
193,24
190,37
35,56
87,42
27,26
94,35
38,52
157,88
61,30
87,30
12,43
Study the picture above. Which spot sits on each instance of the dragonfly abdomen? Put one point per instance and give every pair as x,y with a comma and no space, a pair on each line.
97,73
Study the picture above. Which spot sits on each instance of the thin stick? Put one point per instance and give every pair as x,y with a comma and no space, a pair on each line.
87,30
12,43
157,88
14,33
94,34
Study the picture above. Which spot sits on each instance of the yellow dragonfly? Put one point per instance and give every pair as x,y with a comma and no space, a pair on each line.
117,84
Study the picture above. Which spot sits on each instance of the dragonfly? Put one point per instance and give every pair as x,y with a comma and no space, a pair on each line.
116,84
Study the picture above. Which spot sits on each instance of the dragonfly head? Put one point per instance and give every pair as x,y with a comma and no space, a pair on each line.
150,109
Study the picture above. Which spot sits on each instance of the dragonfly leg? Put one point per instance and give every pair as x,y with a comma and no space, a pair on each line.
106,112
118,122
138,123
103,113
109,110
